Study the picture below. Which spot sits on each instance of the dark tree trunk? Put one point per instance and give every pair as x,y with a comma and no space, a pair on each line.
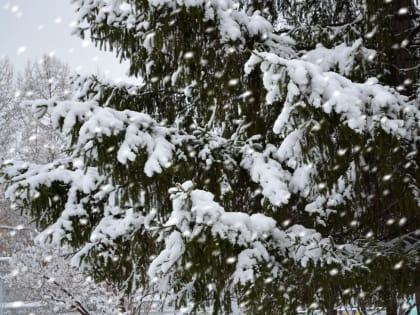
392,307
403,60
393,27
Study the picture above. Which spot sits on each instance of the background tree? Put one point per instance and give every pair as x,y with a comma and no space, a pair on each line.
7,99
44,274
23,137
46,78
9,219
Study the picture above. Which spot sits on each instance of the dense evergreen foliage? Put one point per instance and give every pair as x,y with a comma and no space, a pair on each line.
268,162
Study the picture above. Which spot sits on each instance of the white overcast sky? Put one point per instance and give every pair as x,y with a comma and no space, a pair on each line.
31,28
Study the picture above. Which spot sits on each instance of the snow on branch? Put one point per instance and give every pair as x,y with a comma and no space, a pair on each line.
362,106
261,240
341,58
26,180
233,22
140,130
267,172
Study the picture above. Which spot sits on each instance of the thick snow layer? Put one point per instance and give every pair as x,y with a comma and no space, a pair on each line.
362,106
195,211
269,173
341,58
29,178
140,130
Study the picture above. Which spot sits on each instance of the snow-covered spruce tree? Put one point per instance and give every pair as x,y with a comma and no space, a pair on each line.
242,173
392,29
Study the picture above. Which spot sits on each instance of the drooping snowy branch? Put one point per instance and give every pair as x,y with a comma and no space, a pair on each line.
362,107
140,130
341,58
260,239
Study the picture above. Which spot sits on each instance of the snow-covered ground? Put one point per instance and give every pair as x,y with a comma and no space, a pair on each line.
19,307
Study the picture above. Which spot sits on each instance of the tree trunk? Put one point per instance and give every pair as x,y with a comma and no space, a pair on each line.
392,307
393,38
404,60
331,311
